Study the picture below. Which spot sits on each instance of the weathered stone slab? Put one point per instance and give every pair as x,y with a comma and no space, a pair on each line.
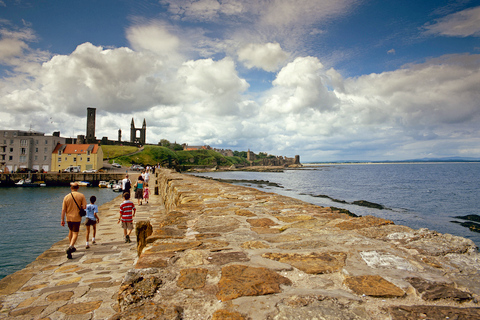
302,245
435,291
166,233
31,312
225,314
210,224
153,261
222,258
80,308
433,312
311,224
313,263
319,307
375,259
245,213
193,278
261,223
60,296
150,311
296,218
136,288
362,222
254,245
262,230
283,238
159,247
374,286
240,280
15,281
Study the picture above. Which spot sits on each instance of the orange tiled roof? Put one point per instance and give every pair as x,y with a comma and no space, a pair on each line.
76,148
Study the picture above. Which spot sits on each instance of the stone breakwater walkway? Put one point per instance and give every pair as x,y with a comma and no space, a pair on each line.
219,251
85,287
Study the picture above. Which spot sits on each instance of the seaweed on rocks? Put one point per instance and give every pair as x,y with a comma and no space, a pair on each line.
345,211
368,204
469,217
475,227
330,198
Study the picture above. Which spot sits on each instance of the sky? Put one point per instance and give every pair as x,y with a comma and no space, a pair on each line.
329,80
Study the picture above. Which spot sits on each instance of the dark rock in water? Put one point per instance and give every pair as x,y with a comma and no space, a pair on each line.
330,198
470,217
475,227
351,214
365,203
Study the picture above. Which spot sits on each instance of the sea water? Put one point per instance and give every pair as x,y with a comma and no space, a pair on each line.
30,222
418,195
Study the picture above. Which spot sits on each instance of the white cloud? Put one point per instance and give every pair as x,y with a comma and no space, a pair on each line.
460,24
10,48
211,87
268,56
154,37
299,86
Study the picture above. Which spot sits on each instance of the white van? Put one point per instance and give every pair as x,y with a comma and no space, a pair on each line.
72,169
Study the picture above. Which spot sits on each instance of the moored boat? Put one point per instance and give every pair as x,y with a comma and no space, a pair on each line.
29,183
83,183
103,184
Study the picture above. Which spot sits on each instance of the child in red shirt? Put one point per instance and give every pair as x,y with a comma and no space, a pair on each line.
127,212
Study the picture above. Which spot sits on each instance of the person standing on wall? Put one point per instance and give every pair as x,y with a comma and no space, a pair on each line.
72,203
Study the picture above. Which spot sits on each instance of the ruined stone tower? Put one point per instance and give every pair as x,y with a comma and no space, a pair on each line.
138,138
91,112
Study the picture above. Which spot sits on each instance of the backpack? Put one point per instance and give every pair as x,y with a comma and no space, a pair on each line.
127,185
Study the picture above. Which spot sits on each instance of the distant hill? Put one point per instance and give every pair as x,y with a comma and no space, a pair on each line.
152,155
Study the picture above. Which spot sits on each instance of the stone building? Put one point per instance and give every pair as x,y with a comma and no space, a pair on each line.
27,150
86,156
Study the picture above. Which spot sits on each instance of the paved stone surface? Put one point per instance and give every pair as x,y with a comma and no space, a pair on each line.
85,287
210,250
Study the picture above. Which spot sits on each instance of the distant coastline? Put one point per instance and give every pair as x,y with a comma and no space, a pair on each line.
424,160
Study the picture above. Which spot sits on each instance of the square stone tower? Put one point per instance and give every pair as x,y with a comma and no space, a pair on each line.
91,113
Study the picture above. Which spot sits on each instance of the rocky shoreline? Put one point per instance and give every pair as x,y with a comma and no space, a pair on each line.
212,250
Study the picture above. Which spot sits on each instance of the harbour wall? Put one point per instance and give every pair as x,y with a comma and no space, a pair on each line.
212,250
220,251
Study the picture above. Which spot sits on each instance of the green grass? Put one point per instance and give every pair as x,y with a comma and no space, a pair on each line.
110,152
151,155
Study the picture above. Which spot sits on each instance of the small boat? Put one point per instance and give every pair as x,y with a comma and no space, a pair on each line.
83,183
29,183
103,184
111,183
117,188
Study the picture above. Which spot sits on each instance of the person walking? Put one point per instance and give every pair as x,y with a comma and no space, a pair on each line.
127,212
126,184
146,192
139,190
72,203
91,220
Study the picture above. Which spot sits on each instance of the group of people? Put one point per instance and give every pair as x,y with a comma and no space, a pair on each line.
75,201
140,188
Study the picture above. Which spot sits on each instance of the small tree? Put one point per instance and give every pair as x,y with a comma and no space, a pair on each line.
164,143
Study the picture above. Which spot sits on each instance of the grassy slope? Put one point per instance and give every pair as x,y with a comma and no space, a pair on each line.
110,152
151,155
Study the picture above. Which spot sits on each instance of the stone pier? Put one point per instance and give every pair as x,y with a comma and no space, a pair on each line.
211,250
